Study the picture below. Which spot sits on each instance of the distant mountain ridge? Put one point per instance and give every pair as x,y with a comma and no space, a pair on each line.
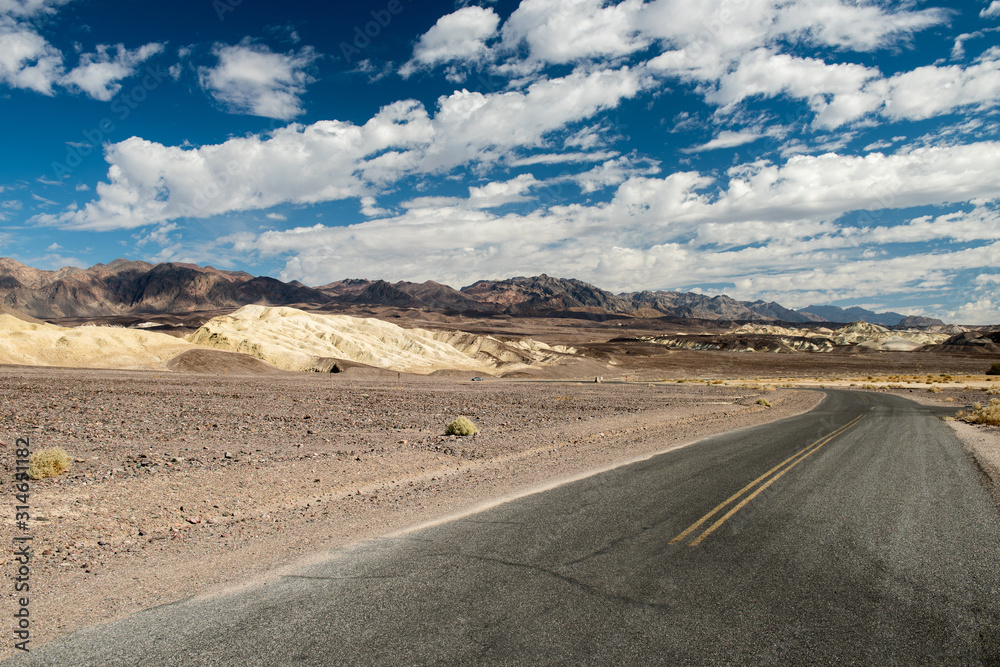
133,287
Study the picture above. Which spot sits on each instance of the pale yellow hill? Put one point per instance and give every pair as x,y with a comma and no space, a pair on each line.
41,344
867,335
293,339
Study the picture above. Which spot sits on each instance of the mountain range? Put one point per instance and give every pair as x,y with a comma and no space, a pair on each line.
125,287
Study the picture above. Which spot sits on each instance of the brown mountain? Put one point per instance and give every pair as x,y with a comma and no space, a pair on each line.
543,294
125,287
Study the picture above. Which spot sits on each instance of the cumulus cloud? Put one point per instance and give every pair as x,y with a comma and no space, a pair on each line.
150,183
565,31
329,160
908,94
99,74
992,10
766,229
460,36
251,79
28,61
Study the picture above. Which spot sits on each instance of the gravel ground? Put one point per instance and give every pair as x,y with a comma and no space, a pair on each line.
191,484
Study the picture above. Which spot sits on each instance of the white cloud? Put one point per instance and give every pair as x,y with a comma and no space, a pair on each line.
560,158
484,127
930,91
982,311
564,31
836,93
726,139
370,208
675,231
613,173
150,183
831,184
28,61
276,216
252,79
992,10
329,160
99,74
980,224
461,36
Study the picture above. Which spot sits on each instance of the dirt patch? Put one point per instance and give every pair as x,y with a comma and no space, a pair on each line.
217,362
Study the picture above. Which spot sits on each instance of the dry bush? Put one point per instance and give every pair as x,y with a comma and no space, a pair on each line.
763,401
934,390
48,463
982,414
461,426
994,369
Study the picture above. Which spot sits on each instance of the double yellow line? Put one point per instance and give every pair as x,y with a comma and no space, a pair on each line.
771,476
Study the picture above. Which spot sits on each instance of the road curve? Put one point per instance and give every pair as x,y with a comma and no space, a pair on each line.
857,533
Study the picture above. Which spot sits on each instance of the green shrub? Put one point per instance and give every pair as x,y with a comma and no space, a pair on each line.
763,401
48,463
461,426
982,414
994,369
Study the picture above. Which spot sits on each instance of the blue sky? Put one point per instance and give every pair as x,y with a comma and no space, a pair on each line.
819,151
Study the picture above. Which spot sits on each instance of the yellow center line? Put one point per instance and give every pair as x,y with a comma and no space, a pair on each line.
801,454
742,503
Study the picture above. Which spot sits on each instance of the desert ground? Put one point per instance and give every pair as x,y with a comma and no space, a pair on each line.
214,469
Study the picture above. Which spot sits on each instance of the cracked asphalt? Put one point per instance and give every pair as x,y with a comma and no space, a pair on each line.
857,533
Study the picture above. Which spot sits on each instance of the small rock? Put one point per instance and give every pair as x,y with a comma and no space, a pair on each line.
193,519
228,455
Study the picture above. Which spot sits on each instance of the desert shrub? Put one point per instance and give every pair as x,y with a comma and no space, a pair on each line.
461,426
48,463
982,414
994,369
763,401
934,390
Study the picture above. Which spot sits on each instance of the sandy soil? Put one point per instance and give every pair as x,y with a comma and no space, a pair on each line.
186,484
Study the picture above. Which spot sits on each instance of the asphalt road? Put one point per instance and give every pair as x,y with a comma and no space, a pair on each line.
858,533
